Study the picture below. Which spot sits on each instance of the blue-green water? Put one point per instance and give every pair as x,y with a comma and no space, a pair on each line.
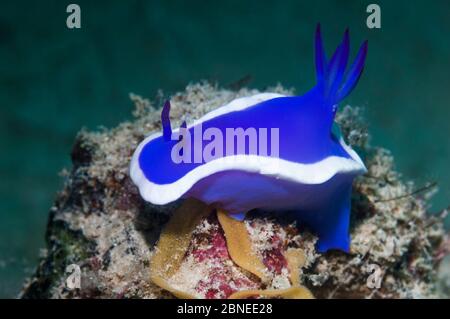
53,81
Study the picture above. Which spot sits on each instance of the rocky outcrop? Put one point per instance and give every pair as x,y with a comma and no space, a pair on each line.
100,224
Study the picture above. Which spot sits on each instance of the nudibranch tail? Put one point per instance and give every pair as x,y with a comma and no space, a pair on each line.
332,222
330,76
165,120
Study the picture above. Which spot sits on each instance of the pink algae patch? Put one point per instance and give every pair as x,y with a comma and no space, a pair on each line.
274,258
217,250
223,278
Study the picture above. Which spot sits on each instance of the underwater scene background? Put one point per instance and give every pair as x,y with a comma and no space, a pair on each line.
55,80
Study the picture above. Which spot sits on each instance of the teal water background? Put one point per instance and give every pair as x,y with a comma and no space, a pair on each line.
53,81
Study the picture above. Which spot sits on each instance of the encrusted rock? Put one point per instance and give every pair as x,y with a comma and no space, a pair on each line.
100,223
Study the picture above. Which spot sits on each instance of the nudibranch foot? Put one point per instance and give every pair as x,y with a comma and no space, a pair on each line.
238,216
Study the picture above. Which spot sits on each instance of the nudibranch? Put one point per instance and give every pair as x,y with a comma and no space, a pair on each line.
307,172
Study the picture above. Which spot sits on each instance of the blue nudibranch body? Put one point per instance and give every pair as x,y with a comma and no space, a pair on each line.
311,175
